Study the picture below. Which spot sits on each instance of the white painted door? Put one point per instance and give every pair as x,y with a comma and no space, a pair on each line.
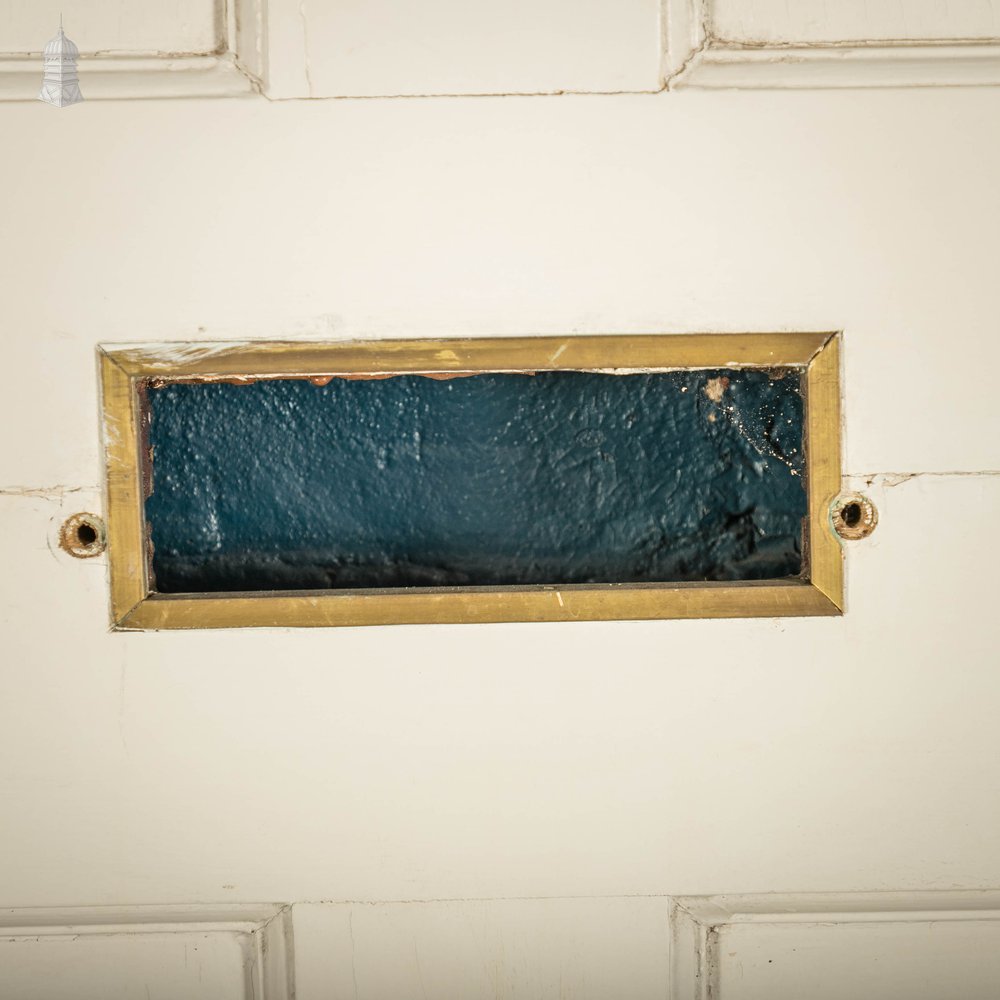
734,809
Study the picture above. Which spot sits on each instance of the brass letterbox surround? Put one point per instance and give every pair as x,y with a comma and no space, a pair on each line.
126,370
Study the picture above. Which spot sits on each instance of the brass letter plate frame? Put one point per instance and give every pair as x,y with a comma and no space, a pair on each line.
125,371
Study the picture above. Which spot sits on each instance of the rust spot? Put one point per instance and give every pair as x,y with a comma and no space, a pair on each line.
83,535
159,382
379,376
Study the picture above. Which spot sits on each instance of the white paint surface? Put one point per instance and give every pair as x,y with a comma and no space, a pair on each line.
196,966
503,763
890,961
546,949
673,212
387,47
494,761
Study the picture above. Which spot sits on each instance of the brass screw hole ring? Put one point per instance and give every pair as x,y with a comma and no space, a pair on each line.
854,516
83,536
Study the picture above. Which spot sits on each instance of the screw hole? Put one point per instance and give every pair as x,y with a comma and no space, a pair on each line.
854,516
851,514
86,535
82,535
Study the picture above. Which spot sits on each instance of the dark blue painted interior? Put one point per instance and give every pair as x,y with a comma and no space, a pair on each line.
559,478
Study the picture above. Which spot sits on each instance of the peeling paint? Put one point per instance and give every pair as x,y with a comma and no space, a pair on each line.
155,382
716,387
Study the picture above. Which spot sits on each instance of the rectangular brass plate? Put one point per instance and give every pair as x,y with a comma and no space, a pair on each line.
128,373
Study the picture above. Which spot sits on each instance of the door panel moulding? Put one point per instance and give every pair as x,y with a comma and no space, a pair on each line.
127,371
696,57
699,923
689,947
263,52
718,65
131,77
391,49
262,931
232,70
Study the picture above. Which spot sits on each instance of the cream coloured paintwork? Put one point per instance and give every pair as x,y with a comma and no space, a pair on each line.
567,779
